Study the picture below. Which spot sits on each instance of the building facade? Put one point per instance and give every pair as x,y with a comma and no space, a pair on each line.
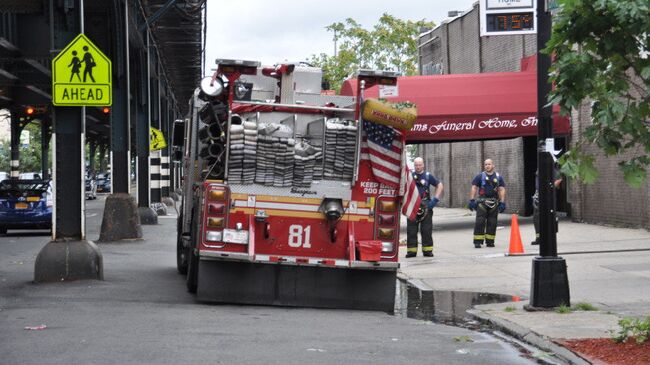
456,47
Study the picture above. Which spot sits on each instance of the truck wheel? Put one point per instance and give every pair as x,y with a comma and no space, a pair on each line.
192,272
193,258
181,252
3,230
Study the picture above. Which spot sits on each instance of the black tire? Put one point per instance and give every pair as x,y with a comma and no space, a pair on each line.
182,253
193,257
3,230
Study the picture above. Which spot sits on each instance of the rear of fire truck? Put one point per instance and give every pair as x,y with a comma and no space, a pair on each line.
280,202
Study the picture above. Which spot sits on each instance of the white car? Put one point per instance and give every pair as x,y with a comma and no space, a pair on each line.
30,176
3,175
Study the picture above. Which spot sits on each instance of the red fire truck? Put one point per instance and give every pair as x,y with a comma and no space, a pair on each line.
280,207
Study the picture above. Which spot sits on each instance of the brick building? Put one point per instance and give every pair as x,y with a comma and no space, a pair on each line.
456,47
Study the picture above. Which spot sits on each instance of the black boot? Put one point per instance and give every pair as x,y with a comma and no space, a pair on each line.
411,254
477,245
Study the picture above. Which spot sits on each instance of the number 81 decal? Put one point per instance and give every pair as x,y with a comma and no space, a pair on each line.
299,236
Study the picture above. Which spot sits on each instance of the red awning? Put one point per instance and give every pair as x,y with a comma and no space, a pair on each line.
464,107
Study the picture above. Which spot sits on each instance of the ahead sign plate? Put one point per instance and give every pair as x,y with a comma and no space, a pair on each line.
81,75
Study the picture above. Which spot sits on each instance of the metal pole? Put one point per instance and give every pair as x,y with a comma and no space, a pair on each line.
549,281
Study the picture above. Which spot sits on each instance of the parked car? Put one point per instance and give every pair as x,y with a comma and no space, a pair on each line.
91,188
30,176
3,175
25,204
103,183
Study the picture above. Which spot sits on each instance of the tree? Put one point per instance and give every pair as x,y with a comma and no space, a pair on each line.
390,45
601,55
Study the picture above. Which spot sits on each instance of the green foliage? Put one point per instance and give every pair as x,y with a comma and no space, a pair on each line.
582,306
601,55
563,309
634,328
30,155
463,339
509,309
390,45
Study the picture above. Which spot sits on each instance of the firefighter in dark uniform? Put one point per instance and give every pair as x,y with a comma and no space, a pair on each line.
424,220
491,189
557,181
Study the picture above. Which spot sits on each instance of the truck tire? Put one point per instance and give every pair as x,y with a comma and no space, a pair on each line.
3,230
193,257
182,253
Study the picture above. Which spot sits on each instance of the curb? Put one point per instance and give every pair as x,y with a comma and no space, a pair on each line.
521,333
528,336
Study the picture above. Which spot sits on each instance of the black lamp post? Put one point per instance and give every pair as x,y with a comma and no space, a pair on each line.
549,281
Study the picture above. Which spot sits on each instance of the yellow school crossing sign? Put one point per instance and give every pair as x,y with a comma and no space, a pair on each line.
156,139
81,75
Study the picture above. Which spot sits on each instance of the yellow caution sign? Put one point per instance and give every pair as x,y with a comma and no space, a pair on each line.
81,75
156,140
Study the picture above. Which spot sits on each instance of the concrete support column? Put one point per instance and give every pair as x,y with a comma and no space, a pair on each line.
147,215
155,174
164,172
102,156
121,219
16,129
45,151
92,152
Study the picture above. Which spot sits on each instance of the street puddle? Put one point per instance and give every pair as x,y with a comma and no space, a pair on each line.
450,308
440,306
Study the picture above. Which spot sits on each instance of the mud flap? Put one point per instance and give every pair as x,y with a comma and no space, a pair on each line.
296,286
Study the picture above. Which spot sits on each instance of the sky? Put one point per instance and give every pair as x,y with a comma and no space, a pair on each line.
283,30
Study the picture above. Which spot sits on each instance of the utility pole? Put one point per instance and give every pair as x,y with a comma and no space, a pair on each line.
549,281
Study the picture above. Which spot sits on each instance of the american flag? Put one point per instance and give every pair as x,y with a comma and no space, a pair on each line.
382,146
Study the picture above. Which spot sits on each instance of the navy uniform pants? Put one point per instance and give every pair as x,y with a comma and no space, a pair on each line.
425,227
485,228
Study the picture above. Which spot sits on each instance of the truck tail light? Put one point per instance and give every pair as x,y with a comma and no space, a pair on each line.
215,212
215,222
387,206
217,208
217,195
387,246
387,223
385,233
214,236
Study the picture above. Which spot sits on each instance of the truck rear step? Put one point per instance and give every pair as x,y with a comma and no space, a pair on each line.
296,286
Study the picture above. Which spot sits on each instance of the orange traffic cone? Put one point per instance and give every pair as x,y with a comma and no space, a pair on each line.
515,237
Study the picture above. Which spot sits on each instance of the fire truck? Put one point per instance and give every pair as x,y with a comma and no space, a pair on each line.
279,207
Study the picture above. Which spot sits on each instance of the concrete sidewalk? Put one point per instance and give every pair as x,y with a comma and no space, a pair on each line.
608,268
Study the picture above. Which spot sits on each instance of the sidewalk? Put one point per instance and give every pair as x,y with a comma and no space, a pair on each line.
608,268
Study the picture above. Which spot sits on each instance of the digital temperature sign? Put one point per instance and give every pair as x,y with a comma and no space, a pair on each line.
508,17
508,22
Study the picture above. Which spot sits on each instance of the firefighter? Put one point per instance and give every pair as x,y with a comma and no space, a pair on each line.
557,181
424,221
490,201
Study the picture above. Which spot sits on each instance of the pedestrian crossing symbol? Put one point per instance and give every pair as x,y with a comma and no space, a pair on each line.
156,140
81,75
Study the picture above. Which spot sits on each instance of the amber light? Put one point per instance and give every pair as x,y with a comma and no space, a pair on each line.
387,206
215,222
386,233
106,110
29,110
217,195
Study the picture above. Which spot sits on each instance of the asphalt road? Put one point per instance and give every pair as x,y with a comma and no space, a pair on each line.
142,314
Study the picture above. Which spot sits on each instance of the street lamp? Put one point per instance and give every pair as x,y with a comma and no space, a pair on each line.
549,280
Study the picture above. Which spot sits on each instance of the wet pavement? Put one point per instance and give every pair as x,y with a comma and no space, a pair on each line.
142,314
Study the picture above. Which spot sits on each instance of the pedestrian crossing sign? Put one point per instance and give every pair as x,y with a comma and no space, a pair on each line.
81,75
156,140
